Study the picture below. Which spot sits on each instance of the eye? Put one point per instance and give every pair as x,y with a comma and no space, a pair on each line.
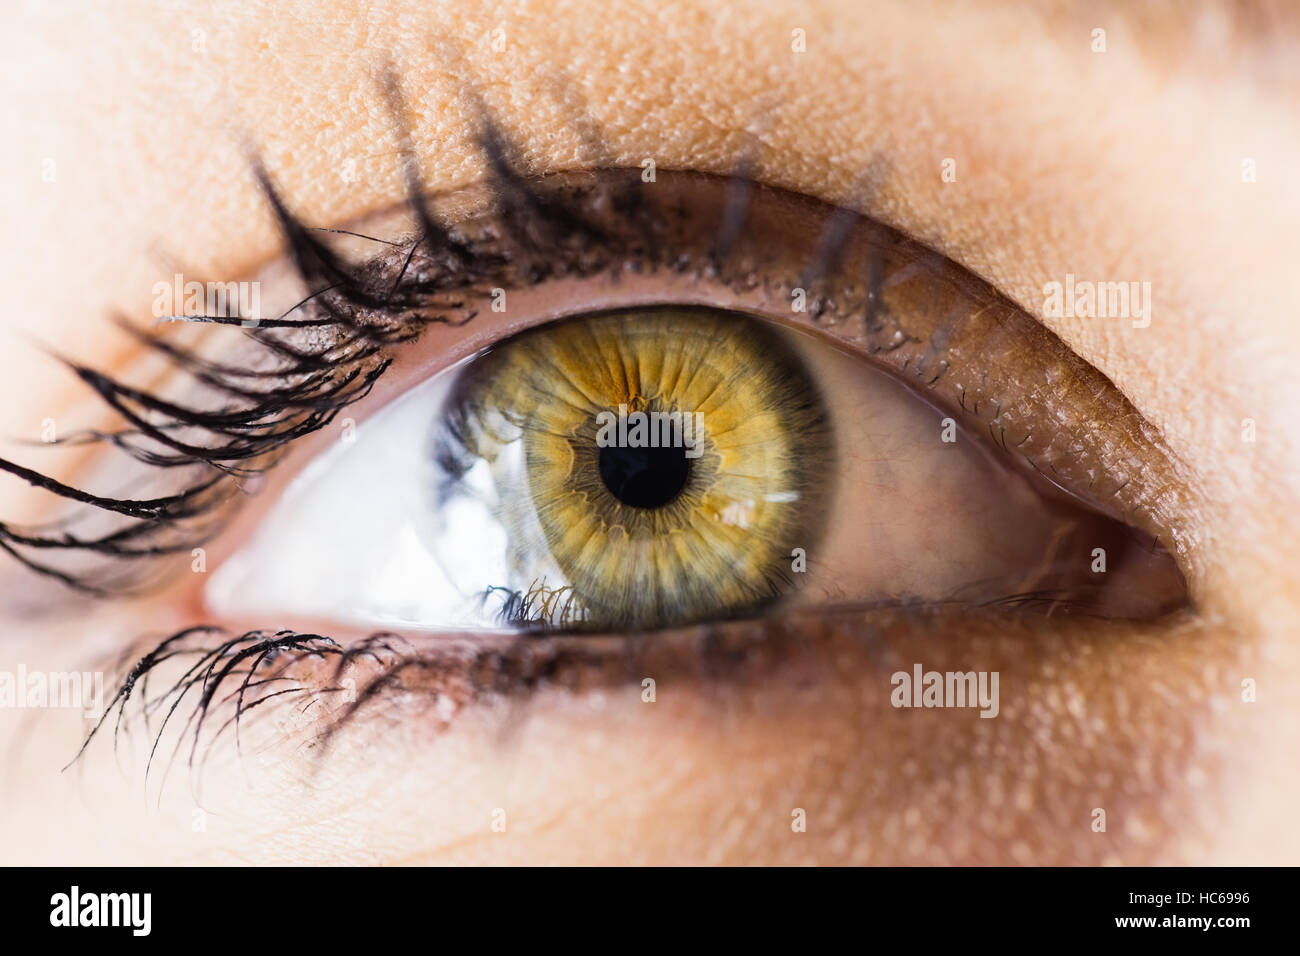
674,462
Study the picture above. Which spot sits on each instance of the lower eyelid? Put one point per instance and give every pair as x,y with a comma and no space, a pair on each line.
316,687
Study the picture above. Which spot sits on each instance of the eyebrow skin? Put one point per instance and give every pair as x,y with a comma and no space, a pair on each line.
1119,166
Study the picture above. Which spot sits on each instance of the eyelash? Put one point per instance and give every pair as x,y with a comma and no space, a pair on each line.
229,676
326,358
332,353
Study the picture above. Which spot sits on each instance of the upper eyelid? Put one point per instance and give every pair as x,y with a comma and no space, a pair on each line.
318,265
1144,492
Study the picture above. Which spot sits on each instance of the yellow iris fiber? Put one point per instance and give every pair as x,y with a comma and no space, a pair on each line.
756,491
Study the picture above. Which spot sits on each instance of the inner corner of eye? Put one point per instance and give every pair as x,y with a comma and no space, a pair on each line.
644,468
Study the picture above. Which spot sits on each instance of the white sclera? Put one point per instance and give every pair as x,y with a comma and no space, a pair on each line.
356,536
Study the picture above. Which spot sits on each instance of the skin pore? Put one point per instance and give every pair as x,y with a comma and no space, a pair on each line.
1122,165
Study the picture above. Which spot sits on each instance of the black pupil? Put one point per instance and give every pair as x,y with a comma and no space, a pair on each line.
644,477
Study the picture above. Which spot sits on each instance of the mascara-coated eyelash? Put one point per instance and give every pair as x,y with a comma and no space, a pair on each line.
301,369
299,372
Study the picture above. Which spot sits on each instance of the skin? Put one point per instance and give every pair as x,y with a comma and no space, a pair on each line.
1123,165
